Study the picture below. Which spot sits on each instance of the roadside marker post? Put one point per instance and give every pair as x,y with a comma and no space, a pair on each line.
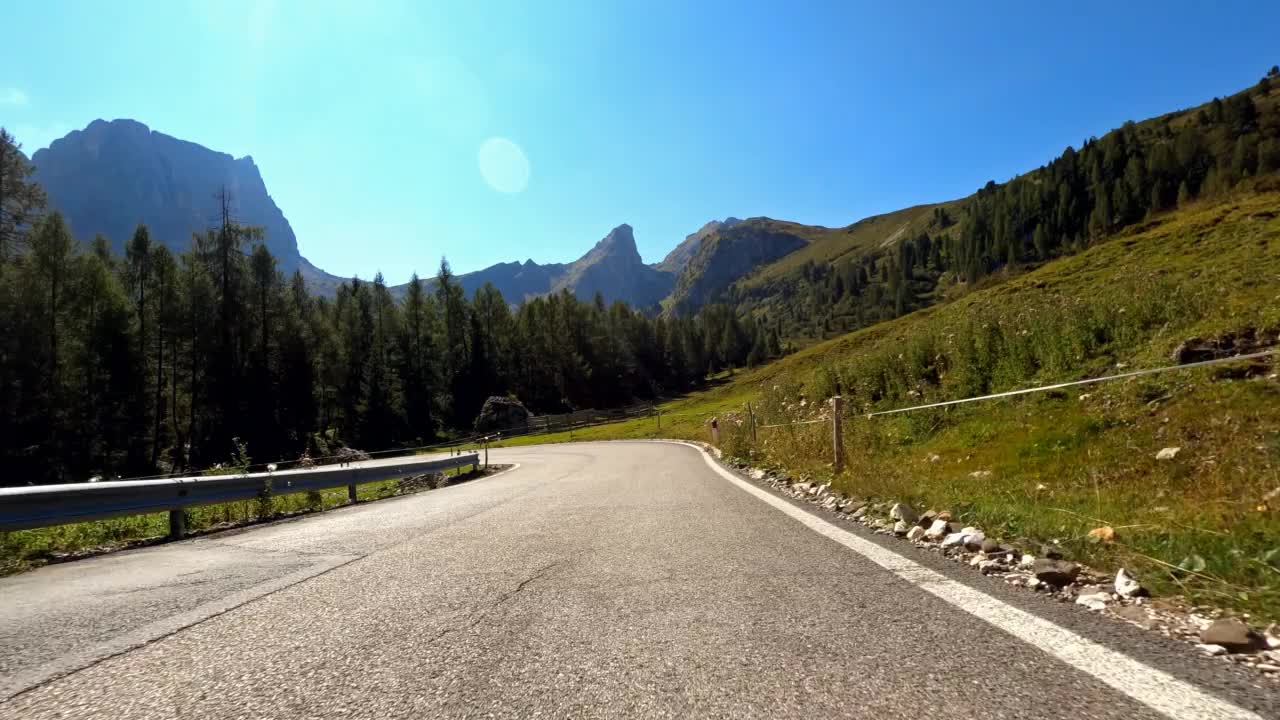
837,434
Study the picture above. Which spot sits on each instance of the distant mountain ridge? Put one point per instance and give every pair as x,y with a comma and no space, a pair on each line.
111,176
613,268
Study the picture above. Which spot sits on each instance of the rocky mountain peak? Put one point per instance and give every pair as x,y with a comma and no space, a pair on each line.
620,242
676,260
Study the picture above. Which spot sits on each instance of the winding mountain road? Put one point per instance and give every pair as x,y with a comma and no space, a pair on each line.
592,580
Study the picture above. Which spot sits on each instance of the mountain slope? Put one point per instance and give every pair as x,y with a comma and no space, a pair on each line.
886,266
515,280
111,176
679,257
729,253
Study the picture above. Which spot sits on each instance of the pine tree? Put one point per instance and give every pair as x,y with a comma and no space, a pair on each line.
420,360
164,299
1041,241
21,201
1184,194
455,354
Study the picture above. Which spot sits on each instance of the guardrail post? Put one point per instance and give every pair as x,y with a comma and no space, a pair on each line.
715,432
659,411
837,434
351,493
177,524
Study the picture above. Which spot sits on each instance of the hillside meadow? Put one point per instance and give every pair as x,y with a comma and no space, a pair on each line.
1201,282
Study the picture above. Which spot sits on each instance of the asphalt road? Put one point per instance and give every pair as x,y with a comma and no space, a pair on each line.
594,580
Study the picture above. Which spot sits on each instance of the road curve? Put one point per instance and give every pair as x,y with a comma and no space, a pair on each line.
594,580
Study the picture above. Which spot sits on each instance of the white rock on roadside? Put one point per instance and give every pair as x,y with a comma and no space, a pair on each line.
1027,561
936,531
953,539
1126,586
903,512
915,533
1094,600
1212,650
1168,453
986,567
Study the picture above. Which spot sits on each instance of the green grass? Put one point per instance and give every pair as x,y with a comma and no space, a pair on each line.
1058,466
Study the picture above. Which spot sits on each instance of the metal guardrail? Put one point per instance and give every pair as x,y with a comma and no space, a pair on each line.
23,508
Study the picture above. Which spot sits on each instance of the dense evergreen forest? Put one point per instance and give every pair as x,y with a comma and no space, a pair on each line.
1129,175
156,362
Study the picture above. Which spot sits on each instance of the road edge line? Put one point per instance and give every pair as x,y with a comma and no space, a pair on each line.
1152,687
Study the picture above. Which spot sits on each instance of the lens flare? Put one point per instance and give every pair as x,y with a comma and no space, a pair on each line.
503,165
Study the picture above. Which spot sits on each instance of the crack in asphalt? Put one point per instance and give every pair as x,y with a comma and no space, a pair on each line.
163,586
483,613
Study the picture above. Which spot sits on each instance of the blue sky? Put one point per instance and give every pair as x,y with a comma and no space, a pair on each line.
368,119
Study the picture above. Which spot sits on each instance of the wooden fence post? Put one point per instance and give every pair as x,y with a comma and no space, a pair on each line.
715,432
837,434
659,411
751,418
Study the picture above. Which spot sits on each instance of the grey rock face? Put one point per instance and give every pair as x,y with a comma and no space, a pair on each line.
113,175
729,254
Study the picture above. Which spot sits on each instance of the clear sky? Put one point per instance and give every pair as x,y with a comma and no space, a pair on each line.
393,132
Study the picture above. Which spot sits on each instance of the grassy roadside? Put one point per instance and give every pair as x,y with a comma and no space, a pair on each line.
1054,466
26,549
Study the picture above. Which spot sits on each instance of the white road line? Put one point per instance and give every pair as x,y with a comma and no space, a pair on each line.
1153,688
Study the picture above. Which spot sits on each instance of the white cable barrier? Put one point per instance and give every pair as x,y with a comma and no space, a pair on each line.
1077,383
1047,388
